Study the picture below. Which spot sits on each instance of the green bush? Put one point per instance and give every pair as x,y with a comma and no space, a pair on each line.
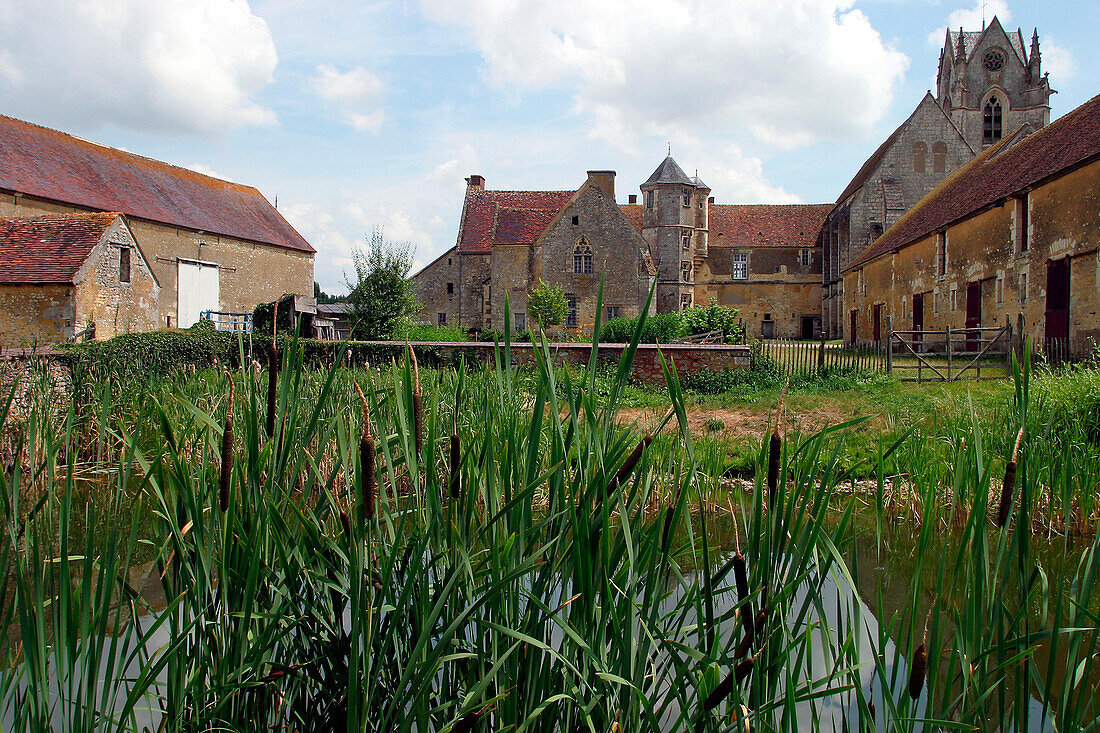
428,332
659,329
713,317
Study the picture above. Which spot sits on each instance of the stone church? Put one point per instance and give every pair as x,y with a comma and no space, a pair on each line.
987,86
764,260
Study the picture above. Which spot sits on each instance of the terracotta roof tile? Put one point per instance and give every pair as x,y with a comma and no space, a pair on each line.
1020,161
507,217
52,165
48,249
634,213
765,225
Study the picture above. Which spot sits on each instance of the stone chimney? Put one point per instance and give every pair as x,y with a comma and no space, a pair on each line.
710,200
605,180
632,198
476,182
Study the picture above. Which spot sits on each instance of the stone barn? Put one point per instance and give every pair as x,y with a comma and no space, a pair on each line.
211,244
1015,231
65,274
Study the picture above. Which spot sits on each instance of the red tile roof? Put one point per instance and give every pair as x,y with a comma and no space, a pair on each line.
52,165
634,213
507,217
765,225
48,249
1019,161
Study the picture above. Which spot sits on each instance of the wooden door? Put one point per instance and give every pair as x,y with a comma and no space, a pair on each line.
1057,310
918,319
852,326
197,290
876,323
973,314
807,328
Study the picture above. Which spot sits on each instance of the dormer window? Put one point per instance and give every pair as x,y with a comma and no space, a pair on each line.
582,257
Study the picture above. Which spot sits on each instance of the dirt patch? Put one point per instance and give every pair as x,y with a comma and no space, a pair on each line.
747,422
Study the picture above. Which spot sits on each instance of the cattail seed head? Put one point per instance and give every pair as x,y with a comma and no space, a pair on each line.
345,523
667,529
628,465
1009,484
775,451
418,423
272,387
455,466
719,693
917,673
741,576
226,472
368,482
743,669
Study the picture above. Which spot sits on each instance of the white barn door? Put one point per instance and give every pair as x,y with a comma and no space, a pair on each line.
197,291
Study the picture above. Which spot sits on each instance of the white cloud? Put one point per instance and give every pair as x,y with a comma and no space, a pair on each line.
184,66
357,92
971,18
1057,60
790,71
207,171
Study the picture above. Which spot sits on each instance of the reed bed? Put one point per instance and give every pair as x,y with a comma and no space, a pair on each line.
484,550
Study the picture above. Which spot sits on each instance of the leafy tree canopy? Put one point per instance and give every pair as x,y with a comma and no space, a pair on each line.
381,294
546,305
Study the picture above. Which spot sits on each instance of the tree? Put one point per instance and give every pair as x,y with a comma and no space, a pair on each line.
324,298
547,305
382,295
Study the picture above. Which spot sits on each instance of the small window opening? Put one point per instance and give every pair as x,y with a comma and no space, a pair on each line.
1022,224
740,266
450,288
941,254
576,220
571,315
442,317
649,199
939,157
124,264
920,152
804,257
687,198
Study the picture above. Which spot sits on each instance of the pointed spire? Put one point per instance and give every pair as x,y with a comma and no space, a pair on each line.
1035,43
960,50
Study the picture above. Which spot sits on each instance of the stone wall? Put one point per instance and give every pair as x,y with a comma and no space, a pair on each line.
688,358
982,248
100,297
249,273
35,314
466,304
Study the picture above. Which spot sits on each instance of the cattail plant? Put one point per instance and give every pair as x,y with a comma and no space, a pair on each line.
368,483
469,721
775,449
1009,484
736,676
455,467
227,453
272,386
628,465
918,671
418,405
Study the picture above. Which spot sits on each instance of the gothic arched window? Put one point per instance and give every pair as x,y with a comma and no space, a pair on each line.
920,151
582,257
991,121
939,157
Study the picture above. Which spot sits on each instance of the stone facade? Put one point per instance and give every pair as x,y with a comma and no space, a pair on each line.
249,272
181,219
46,313
989,85
509,241
920,153
998,257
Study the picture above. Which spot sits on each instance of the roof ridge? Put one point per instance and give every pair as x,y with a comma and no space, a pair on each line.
130,153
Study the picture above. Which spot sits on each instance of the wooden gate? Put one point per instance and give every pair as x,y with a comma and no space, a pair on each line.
951,354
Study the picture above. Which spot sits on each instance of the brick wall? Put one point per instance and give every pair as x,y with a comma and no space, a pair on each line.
688,358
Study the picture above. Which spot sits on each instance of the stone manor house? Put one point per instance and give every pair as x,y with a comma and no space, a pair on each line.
783,266
95,236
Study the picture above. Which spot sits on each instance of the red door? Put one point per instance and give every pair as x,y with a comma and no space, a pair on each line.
973,314
1057,315
918,318
877,323
852,326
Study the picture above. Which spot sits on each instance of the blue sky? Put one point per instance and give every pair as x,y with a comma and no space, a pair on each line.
358,114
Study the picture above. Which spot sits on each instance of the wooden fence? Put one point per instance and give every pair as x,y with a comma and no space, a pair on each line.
811,357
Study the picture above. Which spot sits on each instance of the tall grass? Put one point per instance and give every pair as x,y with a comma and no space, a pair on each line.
572,581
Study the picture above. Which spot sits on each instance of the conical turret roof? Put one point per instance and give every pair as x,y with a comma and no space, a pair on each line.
669,172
